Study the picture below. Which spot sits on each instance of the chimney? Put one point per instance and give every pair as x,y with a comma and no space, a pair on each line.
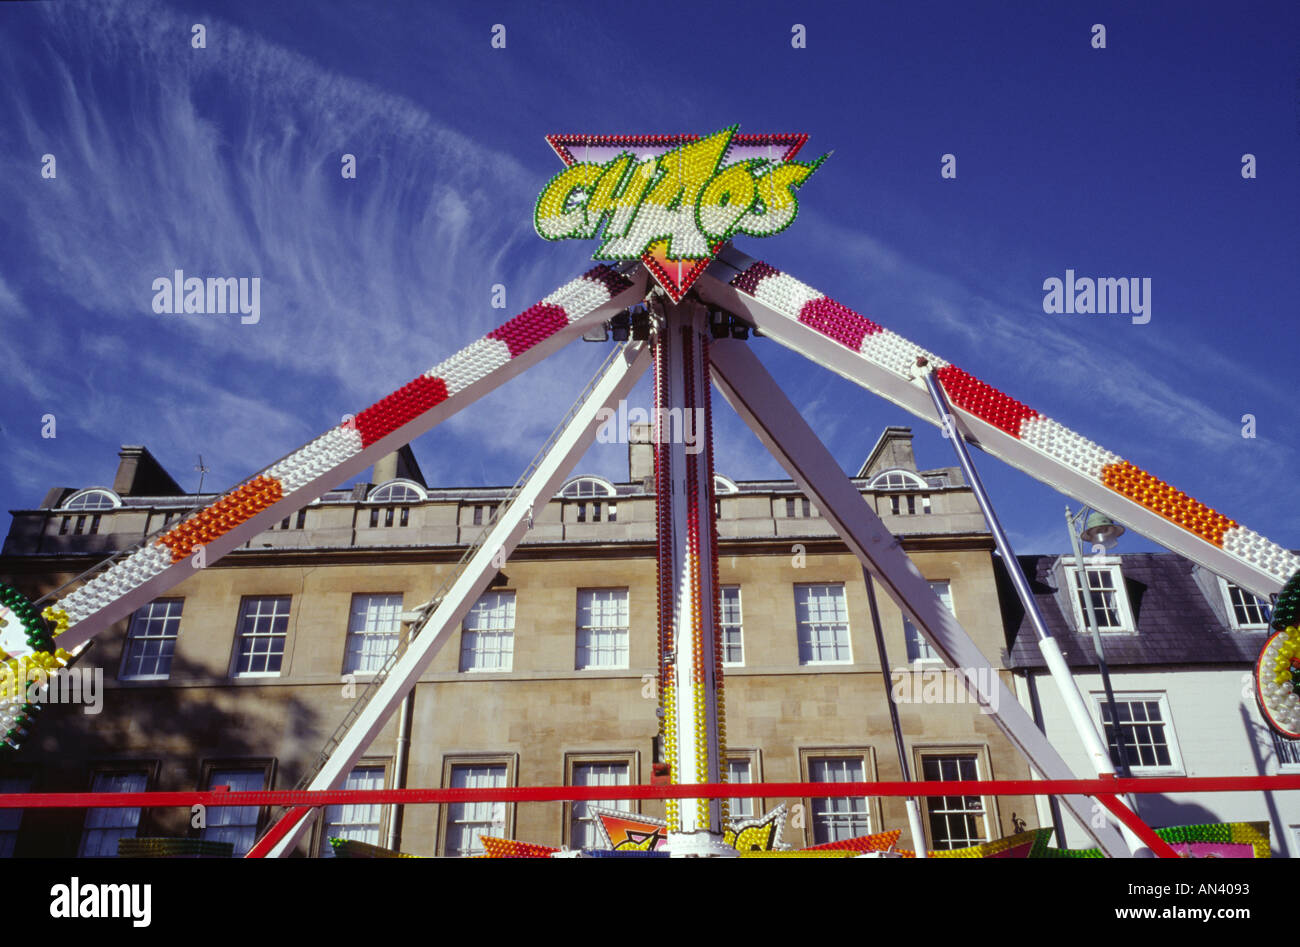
140,474
400,463
641,455
893,449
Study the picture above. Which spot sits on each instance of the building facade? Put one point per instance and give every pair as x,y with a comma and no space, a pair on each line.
1180,643
239,674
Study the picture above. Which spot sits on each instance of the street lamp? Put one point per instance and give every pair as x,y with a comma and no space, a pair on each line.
1098,530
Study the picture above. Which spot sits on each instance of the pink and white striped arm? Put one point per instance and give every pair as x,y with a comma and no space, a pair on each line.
882,361
341,453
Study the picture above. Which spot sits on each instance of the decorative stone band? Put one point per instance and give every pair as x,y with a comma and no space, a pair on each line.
285,478
882,347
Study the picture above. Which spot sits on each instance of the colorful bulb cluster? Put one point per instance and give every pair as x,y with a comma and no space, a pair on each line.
539,321
1163,500
120,578
1277,681
1286,613
985,402
509,848
400,408
31,635
242,503
879,842
898,356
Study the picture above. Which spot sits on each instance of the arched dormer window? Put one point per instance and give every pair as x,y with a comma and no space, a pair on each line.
722,485
96,498
588,486
397,491
897,480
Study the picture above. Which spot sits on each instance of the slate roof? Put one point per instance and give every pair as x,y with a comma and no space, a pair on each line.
1176,623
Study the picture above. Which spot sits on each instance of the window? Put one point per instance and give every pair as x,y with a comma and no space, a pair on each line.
374,628
583,832
731,630
487,640
588,487
480,509
1110,606
358,822
611,512
105,826
302,519
96,499
235,824
905,504
896,480
955,821
63,526
1245,610
11,819
918,649
151,641
823,624
397,491
263,628
81,525
602,628
798,506
1148,738
841,817
466,821
722,485
741,770
1287,751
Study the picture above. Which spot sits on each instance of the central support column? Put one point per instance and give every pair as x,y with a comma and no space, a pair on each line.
690,652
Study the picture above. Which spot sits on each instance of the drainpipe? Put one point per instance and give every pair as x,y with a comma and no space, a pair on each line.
399,767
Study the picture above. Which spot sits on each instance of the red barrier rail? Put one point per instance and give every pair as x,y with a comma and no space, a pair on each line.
328,797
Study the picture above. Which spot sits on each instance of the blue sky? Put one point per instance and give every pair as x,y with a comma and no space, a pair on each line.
1123,161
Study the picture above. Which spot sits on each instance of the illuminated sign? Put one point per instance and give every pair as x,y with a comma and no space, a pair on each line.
671,201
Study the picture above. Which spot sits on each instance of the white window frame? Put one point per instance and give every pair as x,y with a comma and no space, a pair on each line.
1175,765
491,818
112,823
621,632
241,634
587,486
800,625
747,808
145,627
984,810
910,480
114,501
356,821
738,625
365,631
580,816
1225,589
1283,746
1123,609
472,635
383,494
914,641
230,823
839,806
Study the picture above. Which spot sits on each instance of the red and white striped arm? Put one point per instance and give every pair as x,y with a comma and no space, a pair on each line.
341,453
832,334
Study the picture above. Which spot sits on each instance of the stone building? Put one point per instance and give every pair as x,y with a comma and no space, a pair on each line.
239,675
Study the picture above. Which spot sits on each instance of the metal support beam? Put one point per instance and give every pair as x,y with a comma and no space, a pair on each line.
511,525
748,387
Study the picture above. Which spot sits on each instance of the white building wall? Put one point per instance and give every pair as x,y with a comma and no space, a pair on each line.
1214,728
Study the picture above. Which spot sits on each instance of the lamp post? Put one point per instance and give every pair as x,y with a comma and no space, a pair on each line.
1098,529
